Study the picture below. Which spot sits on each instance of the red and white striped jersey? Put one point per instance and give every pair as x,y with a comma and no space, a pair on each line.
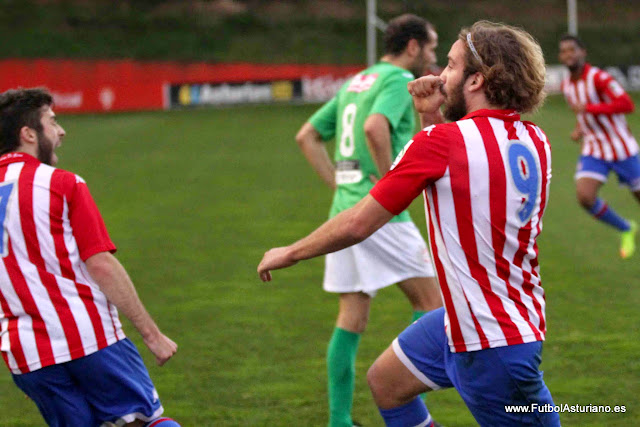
606,133
485,180
51,309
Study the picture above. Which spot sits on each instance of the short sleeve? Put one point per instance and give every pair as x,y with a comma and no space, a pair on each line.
423,161
324,120
393,99
87,224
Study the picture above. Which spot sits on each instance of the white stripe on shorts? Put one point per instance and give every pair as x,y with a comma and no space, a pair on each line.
426,422
410,366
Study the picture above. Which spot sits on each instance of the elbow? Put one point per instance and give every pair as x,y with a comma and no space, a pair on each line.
359,229
305,135
99,265
372,133
300,138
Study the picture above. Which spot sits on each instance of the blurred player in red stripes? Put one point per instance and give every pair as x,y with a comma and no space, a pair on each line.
600,104
60,285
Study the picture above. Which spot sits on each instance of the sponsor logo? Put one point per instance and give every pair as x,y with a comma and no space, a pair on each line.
107,97
67,99
362,82
320,89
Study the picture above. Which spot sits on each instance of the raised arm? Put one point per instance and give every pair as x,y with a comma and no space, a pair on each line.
115,283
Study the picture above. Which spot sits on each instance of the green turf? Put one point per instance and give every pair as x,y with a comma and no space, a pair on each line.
194,198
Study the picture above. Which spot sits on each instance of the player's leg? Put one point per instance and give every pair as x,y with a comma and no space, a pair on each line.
591,174
423,294
628,172
413,364
58,399
408,259
587,194
352,320
492,380
119,387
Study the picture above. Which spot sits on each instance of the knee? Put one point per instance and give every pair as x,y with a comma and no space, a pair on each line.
356,323
381,390
375,382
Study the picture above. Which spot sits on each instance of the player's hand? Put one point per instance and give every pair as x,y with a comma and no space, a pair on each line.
579,107
576,134
274,259
427,93
162,347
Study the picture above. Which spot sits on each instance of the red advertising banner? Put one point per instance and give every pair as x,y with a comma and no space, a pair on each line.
127,85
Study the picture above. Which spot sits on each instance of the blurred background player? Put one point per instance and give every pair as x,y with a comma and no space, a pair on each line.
486,178
372,118
600,104
60,285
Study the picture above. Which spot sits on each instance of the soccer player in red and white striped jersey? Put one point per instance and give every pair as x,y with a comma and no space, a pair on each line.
600,104
485,179
60,334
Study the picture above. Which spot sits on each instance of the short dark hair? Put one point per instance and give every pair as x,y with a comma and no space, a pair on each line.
18,108
577,40
402,29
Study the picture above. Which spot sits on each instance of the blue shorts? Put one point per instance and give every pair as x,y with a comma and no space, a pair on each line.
628,170
487,380
111,384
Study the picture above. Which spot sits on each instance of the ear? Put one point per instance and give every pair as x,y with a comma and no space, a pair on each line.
475,82
28,135
413,48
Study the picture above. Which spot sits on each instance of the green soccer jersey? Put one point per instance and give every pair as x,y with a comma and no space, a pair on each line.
381,89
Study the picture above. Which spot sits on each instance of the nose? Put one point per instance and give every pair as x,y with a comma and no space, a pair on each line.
61,132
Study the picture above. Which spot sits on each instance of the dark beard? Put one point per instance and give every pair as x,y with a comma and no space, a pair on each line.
574,68
45,149
455,107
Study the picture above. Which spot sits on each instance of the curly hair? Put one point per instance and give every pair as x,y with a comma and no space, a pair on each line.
18,108
510,60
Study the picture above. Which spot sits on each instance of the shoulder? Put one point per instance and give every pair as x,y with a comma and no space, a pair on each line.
65,182
442,132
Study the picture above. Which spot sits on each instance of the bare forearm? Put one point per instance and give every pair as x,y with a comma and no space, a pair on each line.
115,283
381,154
319,160
345,229
378,136
314,151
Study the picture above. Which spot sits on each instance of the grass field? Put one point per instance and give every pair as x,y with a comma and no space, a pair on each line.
193,199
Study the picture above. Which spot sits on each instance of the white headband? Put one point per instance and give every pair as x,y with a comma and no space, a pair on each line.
472,47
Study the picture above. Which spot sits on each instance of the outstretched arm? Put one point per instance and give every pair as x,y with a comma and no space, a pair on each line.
345,229
115,283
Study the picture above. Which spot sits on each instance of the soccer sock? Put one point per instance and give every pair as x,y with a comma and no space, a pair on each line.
163,422
602,212
414,413
418,314
341,368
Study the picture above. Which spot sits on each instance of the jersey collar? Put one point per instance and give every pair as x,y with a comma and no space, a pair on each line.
583,76
16,156
509,115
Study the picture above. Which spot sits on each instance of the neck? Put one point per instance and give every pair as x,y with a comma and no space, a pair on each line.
397,60
578,72
478,101
30,149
